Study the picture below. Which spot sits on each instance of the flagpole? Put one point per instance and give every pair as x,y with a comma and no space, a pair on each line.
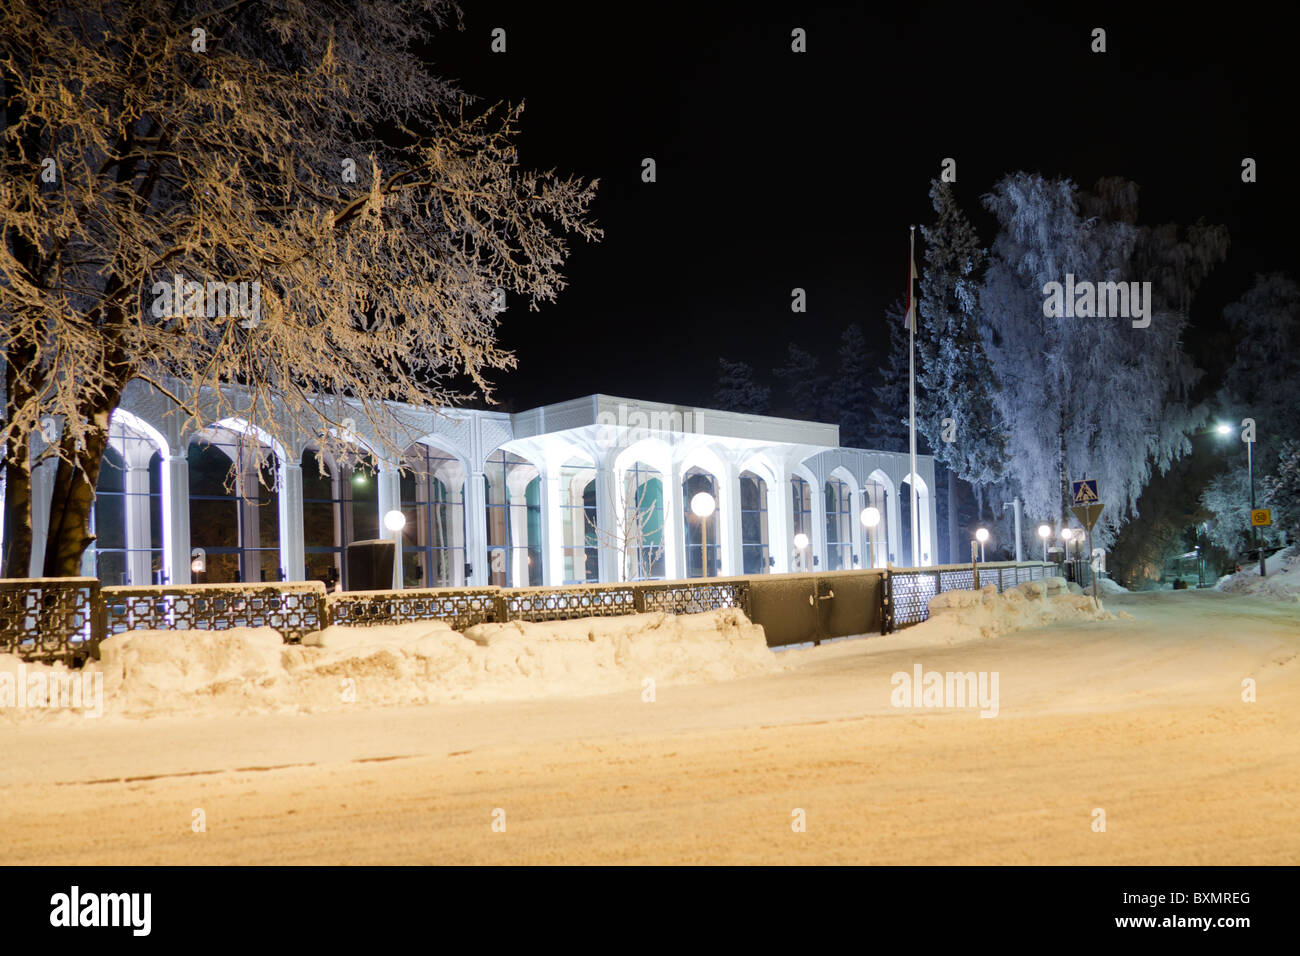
911,396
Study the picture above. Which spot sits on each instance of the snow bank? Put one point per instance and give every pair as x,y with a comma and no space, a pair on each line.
1281,580
1107,586
250,670
965,615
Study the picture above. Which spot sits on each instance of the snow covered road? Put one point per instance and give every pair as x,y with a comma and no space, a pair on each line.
1142,718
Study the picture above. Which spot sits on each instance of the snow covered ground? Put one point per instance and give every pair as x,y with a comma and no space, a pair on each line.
1140,714
1281,579
251,670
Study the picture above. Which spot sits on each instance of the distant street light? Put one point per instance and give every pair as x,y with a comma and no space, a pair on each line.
1044,532
982,535
871,518
703,505
801,544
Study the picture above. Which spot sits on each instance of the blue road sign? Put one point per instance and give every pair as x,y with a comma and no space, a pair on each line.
1085,491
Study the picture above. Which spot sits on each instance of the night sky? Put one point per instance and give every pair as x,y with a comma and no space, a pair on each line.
778,170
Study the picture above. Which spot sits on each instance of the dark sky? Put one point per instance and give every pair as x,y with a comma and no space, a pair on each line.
778,170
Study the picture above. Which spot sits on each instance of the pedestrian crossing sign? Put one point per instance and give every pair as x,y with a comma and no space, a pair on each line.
1085,491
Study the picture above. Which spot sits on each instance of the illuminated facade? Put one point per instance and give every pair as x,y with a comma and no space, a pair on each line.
596,489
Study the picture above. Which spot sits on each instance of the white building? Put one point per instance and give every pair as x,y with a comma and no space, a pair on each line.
593,489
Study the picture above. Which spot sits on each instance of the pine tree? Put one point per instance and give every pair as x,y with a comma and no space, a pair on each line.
737,391
953,368
805,384
888,423
850,395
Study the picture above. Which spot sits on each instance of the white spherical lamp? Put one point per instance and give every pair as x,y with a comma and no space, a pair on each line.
702,504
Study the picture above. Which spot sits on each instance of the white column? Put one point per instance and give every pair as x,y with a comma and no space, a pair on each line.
518,541
729,530
552,530
423,514
607,542
894,515
476,529
293,555
390,499
780,521
139,566
176,518
674,520
250,536
818,533
458,543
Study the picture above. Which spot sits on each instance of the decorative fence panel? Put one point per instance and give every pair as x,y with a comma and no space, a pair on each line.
562,603
693,597
50,619
293,609
459,607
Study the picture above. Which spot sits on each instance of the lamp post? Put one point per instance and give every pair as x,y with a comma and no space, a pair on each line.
702,505
1248,436
1044,532
981,535
801,543
395,521
871,518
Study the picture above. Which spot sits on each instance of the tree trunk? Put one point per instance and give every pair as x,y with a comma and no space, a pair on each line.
72,499
17,512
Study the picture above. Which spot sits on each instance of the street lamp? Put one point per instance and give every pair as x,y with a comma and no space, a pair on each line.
702,505
982,535
871,518
395,521
1248,436
801,543
1044,532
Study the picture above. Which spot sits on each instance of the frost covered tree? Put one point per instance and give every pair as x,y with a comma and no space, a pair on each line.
304,147
1282,491
1089,396
1263,383
737,391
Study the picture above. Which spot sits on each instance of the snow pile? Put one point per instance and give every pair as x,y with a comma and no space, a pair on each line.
250,670
1106,586
962,615
1281,579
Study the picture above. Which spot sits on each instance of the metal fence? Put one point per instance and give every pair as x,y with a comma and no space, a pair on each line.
49,619
293,609
66,618
912,588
